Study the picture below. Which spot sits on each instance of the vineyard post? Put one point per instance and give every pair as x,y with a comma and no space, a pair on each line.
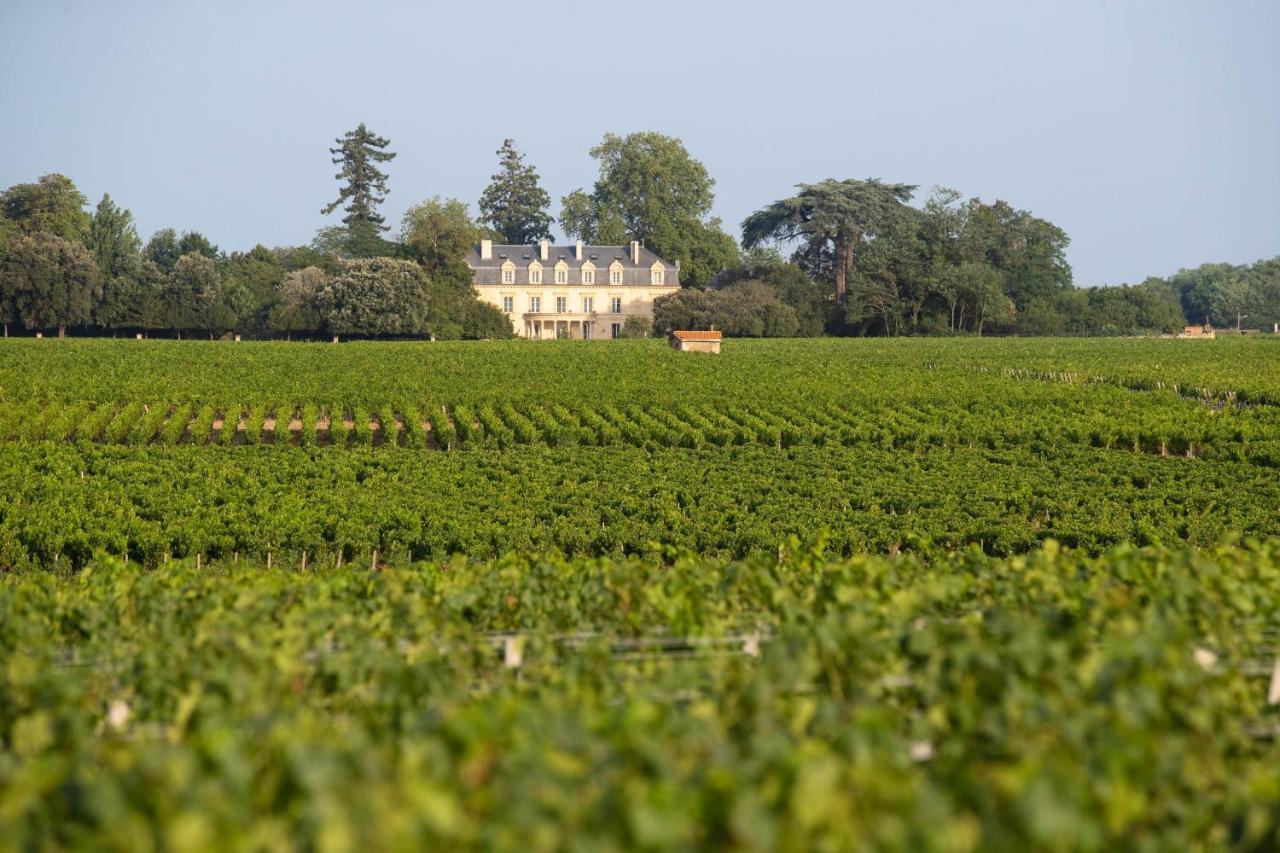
198,561
373,564
512,652
268,561
304,561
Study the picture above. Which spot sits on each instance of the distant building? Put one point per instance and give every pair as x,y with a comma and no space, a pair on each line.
1203,332
579,291
695,341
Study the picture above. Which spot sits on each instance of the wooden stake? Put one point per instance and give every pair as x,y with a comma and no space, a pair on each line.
512,652
304,561
373,564
268,561
1273,692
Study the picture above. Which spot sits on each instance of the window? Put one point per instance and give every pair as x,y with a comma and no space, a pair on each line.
562,304
509,276
535,275
615,330
535,304
656,277
562,276
615,305
588,276
508,304
586,331
588,305
615,276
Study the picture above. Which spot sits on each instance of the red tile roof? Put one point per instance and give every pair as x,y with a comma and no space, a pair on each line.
696,336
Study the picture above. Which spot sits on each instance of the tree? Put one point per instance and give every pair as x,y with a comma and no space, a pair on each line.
454,309
704,250
296,309
134,300
978,289
165,247
687,308
54,283
514,204
439,232
1030,252
890,286
51,205
839,213
358,241
9,234
636,326
114,239
162,250
192,293
375,296
789,284
250,281
747,308
482,321
650,189
1232,299
359,152
193,242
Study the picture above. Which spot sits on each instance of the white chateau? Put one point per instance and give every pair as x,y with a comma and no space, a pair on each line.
577,291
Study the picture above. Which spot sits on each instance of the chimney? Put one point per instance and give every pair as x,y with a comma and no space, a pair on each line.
486,250
542,250
578,252
635,252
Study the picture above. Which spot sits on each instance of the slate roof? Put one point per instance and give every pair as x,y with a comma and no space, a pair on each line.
489,271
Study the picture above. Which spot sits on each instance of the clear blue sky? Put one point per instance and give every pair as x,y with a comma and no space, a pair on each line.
1150,131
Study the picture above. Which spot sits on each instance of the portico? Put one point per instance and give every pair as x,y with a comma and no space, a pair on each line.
580,325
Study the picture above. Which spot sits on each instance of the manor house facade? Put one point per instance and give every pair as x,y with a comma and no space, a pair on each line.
578,291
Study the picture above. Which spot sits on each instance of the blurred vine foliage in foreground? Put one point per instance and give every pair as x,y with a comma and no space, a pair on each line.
1053,700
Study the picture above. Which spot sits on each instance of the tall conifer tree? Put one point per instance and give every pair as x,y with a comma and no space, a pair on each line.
359,152
514,204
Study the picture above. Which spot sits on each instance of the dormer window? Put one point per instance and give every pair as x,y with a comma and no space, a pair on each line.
615,273
655,276
508,273
562,272
588,273
535,273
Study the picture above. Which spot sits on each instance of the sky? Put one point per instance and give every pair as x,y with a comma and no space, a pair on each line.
1149,131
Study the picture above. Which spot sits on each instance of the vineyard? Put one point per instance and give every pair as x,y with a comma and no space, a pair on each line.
834,594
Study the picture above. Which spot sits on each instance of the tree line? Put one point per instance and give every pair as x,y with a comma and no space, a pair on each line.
839,257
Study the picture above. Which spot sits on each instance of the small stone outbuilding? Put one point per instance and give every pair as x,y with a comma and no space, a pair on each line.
695,341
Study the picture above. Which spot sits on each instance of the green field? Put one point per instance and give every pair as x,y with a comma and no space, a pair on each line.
949,594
